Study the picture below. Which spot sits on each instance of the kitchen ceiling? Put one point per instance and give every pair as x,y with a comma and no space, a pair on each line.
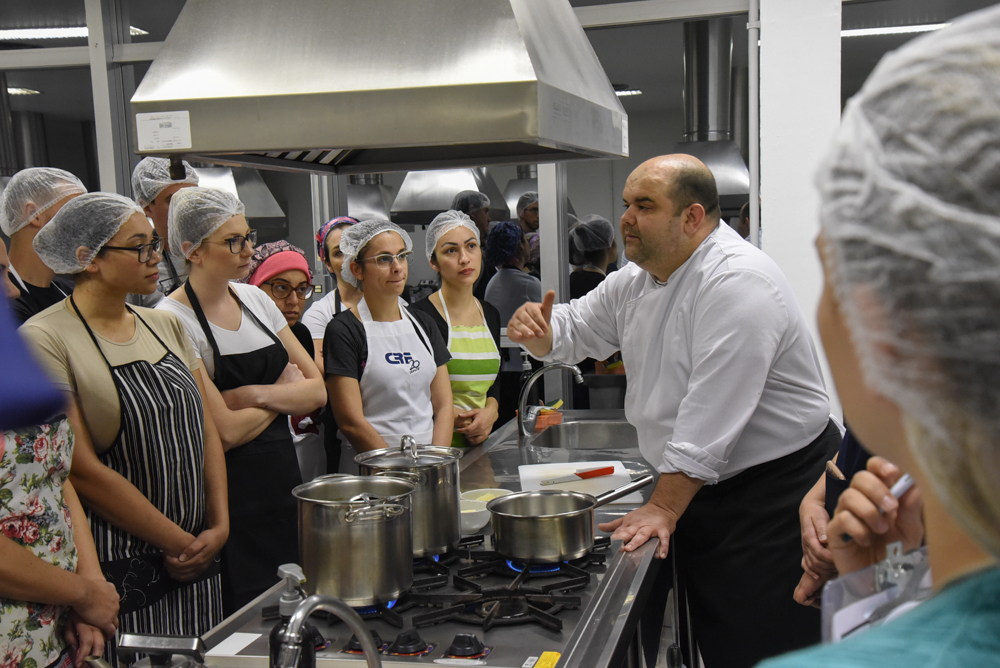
647,57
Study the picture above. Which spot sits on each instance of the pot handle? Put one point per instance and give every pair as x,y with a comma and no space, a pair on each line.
627,488
380,511
409,476
408,443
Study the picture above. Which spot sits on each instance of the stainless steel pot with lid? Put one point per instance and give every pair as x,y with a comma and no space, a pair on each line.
355,537
549,526
433,470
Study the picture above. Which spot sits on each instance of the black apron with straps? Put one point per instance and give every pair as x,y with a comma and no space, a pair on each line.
263,515
159,449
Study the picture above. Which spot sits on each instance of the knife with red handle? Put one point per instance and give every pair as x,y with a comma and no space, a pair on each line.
582,474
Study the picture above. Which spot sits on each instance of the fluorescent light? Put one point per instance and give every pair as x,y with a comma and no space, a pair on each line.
893,30
54,33
22,91
627,93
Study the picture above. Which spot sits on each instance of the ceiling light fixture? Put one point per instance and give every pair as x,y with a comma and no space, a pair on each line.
54,33
627,93
13,90
893,30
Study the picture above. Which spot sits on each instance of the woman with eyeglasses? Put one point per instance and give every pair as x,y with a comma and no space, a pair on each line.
256,373
386,366
282,272
147,462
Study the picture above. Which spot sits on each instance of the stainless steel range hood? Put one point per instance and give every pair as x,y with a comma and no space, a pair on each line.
345,86
424,195
708,49
262,211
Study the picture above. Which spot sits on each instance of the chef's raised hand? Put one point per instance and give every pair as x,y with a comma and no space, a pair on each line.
530,325
637,527
859,533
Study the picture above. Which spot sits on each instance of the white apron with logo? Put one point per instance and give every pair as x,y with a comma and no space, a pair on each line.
395,383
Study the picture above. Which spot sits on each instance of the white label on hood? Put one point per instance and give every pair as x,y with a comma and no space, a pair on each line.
162,130
625,135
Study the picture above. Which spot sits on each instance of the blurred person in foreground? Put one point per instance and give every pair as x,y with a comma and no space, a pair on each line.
282,272
31,199
910,320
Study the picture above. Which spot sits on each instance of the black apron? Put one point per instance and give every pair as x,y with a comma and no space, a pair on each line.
263,515
159,449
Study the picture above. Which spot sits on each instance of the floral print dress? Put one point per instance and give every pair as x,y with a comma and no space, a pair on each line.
34,464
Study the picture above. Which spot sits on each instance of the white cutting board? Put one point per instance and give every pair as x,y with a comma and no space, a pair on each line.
532,476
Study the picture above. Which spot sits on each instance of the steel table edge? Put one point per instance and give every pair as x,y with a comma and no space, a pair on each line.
602,637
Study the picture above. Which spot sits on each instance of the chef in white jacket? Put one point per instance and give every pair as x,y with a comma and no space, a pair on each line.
726,394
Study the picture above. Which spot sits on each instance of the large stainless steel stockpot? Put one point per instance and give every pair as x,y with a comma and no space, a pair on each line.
355,538
549,526
437,519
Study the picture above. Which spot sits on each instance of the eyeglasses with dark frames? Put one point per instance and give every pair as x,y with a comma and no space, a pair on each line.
145,251
238,243
281,290
385,260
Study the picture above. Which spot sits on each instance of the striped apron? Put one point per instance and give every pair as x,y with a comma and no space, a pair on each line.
473,368
159,449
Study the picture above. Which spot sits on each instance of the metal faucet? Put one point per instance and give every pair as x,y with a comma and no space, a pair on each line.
291,640
522,409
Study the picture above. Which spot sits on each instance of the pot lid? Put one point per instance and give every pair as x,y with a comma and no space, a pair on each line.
409,455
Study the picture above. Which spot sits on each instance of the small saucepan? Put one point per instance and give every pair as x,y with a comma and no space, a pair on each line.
549,526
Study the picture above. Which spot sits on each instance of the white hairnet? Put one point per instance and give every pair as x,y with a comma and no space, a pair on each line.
468,201
90,221
354,238
444,223
197,212
152,175
591,234
43,186
524,201
910,211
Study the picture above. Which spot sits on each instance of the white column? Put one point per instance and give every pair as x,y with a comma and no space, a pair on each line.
799,114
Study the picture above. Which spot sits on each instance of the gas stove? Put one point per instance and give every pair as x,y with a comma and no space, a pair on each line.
468,607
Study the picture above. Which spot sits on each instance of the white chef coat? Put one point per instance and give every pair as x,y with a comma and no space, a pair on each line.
722,371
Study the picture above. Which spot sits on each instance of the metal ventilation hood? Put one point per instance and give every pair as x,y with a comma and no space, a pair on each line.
348,87
708,47
368,197
424,195
262,211
526,182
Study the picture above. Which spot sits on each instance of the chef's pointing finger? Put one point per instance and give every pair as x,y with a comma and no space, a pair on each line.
547,301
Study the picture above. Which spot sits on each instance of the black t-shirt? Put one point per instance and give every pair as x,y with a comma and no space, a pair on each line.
479,290
345,344
34,300
582,281
301,332
492,323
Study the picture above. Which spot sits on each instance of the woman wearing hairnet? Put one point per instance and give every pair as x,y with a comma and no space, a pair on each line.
256,374
910,320
147,464
343,297
592,248
282,272
470,327
385,365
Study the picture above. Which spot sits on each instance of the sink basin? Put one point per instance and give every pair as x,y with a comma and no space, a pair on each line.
588,435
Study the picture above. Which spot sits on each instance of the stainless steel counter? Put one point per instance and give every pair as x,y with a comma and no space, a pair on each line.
601,633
